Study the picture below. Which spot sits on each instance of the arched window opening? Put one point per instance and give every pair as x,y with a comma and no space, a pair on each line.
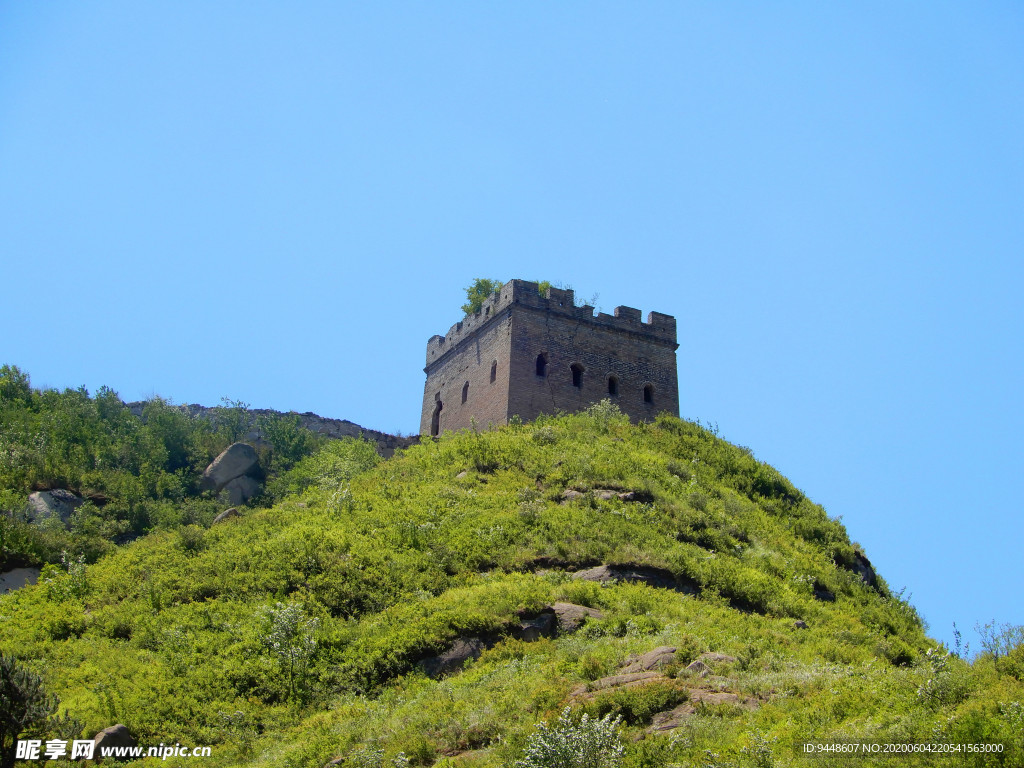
494,371
435,419
649,394
465,392
542,364
577,375
613,386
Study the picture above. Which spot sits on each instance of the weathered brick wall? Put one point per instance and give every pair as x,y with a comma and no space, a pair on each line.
468,358
518,324
602,347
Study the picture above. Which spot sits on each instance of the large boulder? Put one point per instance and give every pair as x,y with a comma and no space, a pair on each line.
454,658
114,736
660,657
18,578
236,460
228,514
241,489
59,503
571,617
532,628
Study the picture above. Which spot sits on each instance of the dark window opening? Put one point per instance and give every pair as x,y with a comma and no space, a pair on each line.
494,371
577,375
435,420
648,393
613,386
465,392
542,364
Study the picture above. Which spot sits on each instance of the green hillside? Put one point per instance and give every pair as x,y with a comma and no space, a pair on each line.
317,628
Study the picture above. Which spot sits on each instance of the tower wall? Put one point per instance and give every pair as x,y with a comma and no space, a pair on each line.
602,346
467,356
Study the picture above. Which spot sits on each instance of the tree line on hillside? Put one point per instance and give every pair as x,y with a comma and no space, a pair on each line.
135,473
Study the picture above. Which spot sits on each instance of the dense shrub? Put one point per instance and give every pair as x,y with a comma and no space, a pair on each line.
574,743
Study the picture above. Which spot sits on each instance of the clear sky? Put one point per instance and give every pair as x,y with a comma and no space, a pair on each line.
281,202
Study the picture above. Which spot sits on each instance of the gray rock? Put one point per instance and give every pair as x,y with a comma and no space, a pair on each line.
570,495
660,657
234,461
453,659
114,736
703,664
18,578
58,503
227,514
669,721
241,489
570,616
646,574
532,628
863,568
799,624
717,697
631,680
698,668
711,657
823,594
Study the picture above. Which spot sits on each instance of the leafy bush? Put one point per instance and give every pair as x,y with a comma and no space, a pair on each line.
290,641
329,468
478,293
575,743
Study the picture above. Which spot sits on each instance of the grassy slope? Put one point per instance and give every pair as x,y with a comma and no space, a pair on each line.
169,635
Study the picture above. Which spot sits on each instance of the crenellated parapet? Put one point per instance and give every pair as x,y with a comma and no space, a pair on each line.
557,301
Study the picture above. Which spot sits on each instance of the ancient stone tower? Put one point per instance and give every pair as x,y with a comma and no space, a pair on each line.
524,354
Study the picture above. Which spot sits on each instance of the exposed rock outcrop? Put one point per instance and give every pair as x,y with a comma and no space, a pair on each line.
233,472
114,736
321,425
659,658
630,680
228,514
863,568
570,617
702,665
675,718
824,594
532,628
241,489
652,668
454,658
605,494
234,461
645,574
59,503
16,578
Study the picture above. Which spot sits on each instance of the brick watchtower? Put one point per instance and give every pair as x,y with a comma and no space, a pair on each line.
525,354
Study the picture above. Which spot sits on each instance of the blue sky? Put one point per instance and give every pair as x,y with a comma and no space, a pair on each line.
280,203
